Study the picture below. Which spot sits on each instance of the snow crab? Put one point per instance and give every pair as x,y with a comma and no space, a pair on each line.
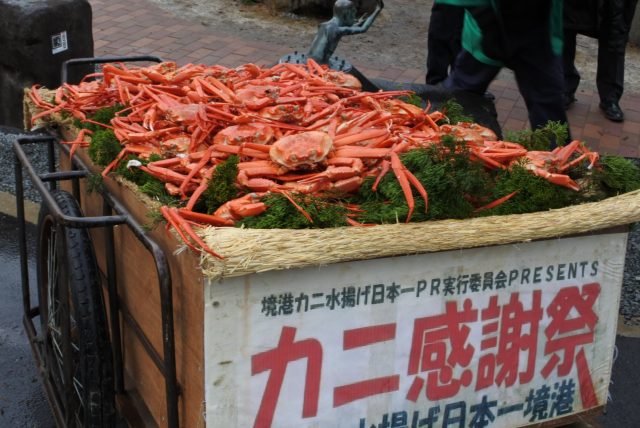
552,165
318,166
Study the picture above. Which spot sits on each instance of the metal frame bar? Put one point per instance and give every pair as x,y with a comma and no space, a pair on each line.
64,75
167,366
65,326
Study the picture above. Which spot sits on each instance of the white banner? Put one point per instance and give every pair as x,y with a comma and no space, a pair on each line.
501,336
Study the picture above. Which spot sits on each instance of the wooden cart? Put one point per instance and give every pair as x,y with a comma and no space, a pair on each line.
462,327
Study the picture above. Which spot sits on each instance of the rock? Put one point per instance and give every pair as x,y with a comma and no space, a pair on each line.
11,93
37,36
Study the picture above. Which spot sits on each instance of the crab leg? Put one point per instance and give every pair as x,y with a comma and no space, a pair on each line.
559,179
123,152
333,108
399,171
201,163
384,169
217,90
488,160
406,179
593,157
298,207
37,100
193,199
431,122
497,202
239,150
182,227
367,134
563,153
164,174
78,142
211,219
46,113
419,187
360,152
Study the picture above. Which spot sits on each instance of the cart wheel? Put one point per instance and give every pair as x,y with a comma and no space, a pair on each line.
68,282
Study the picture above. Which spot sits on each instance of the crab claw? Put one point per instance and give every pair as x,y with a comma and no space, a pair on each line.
244,206
559,179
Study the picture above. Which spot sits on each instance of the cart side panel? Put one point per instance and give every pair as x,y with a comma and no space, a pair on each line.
139,293
513,335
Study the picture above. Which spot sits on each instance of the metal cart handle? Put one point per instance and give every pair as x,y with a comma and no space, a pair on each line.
64,74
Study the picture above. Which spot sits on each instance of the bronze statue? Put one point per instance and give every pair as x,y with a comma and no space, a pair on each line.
343,23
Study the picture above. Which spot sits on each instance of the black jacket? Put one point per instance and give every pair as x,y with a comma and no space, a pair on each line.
583,16
607,20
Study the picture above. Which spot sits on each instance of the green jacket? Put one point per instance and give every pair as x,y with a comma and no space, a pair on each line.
472,33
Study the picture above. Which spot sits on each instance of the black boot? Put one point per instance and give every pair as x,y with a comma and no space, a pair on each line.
612,111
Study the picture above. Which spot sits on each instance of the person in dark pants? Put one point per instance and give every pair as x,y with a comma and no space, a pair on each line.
609,21
443,41
523,36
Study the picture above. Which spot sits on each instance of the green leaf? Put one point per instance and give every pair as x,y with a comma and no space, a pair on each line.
541,138
282,214
104,147
222,185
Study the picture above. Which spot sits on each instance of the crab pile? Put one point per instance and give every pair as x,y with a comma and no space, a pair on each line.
295,128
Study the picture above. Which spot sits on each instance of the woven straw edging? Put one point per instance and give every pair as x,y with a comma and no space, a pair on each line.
249,251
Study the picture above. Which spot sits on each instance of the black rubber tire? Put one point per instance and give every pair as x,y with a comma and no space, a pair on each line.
73,264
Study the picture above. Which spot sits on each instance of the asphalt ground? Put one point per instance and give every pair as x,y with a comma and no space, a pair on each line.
22,398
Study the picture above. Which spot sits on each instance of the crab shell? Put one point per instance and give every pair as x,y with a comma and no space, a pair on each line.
470,132
235,135
301,151
256,97
287,113
176,144
182,112
343,79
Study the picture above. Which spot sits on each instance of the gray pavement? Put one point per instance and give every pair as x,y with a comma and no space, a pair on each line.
22,399
623,409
